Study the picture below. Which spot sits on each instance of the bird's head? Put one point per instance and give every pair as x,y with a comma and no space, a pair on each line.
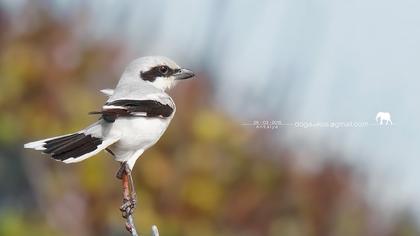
161,72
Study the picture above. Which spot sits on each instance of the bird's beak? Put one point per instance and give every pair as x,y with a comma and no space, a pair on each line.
183,74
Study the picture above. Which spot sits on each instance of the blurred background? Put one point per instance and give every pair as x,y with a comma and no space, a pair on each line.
224,166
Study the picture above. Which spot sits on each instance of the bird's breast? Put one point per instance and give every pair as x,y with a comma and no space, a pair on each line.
139,132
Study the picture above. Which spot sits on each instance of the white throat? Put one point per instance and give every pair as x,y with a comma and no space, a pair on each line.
163,83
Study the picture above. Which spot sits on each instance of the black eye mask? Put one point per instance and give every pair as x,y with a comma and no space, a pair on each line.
158,71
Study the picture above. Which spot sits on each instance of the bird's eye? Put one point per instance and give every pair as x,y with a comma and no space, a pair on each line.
163,70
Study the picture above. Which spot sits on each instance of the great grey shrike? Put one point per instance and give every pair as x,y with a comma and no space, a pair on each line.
134,117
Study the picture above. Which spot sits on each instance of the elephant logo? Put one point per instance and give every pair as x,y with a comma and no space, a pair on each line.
383,118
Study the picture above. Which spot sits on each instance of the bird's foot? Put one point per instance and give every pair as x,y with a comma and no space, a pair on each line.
127,208
129,200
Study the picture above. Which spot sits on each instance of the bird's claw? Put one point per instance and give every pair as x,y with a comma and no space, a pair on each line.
127,208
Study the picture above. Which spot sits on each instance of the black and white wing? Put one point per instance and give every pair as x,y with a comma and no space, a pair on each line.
136,108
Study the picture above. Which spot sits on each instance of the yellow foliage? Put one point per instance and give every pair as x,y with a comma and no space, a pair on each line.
202,194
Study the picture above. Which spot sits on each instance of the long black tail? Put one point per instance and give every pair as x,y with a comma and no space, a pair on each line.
68,148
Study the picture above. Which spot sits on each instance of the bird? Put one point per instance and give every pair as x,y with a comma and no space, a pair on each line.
134,117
